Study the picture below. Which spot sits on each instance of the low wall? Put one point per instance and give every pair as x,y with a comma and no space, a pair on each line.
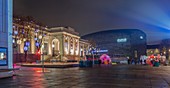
18,58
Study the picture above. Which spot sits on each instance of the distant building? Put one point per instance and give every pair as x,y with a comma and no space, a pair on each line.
153,49
122,42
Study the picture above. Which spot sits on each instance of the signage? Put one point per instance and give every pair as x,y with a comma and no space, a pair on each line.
101,51
122,40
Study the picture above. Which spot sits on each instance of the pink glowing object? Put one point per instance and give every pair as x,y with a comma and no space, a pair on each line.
105,59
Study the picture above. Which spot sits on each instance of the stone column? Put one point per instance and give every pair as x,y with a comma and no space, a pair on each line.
83,50
21,47
61,46
50,46
78,47
73,46
68,45
32,45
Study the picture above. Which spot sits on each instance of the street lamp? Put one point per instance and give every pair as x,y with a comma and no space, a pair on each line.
26,45
92,52
16,41
24,27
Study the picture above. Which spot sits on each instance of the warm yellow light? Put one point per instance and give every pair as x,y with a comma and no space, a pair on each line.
24,39
40,37
18,41
53,45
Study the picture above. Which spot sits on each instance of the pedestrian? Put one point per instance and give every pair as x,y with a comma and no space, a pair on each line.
133,61
128,61
100,61
144,62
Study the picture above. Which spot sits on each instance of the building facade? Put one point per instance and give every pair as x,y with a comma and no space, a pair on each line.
122,42
153,50
57,43
6,34
64,43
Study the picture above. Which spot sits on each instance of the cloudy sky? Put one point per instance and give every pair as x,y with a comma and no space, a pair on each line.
88,16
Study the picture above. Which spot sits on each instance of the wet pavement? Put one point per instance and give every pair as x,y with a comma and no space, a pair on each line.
117,76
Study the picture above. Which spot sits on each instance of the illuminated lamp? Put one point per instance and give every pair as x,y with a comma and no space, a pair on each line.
40,37
37,44
53,45
25,48
18,41
24,39
13,40
35,39
15,32
27,43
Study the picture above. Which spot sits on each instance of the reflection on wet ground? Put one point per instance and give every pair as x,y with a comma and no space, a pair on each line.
117,76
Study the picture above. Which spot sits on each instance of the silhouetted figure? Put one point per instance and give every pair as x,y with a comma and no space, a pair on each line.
128,61
140,61
99,62
145,62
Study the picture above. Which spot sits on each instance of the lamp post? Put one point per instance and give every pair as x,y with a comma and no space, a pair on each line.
16,41
38,37
24,28
92,52
26,45
43,59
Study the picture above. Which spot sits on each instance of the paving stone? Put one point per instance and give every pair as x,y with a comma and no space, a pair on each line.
117,76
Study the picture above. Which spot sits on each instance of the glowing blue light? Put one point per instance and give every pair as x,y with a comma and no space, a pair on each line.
37,44
35,39
25,48
13,40
122,40
151,14
101,51
141,37
15,32
27,43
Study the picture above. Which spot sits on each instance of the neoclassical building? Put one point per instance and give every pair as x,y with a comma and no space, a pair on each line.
57,43
64,43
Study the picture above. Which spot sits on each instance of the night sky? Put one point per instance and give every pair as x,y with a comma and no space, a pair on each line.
88,16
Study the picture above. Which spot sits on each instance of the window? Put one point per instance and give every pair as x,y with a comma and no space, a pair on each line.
3,56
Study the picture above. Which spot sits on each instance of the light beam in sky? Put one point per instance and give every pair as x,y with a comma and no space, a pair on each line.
150,13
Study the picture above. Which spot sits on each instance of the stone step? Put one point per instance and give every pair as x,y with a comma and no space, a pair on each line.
6,73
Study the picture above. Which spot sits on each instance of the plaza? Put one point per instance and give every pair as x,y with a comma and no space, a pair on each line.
116,76
33,55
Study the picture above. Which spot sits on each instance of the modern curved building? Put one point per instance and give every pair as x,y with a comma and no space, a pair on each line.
126,42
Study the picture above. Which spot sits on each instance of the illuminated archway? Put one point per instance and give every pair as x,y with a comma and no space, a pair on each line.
56,44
